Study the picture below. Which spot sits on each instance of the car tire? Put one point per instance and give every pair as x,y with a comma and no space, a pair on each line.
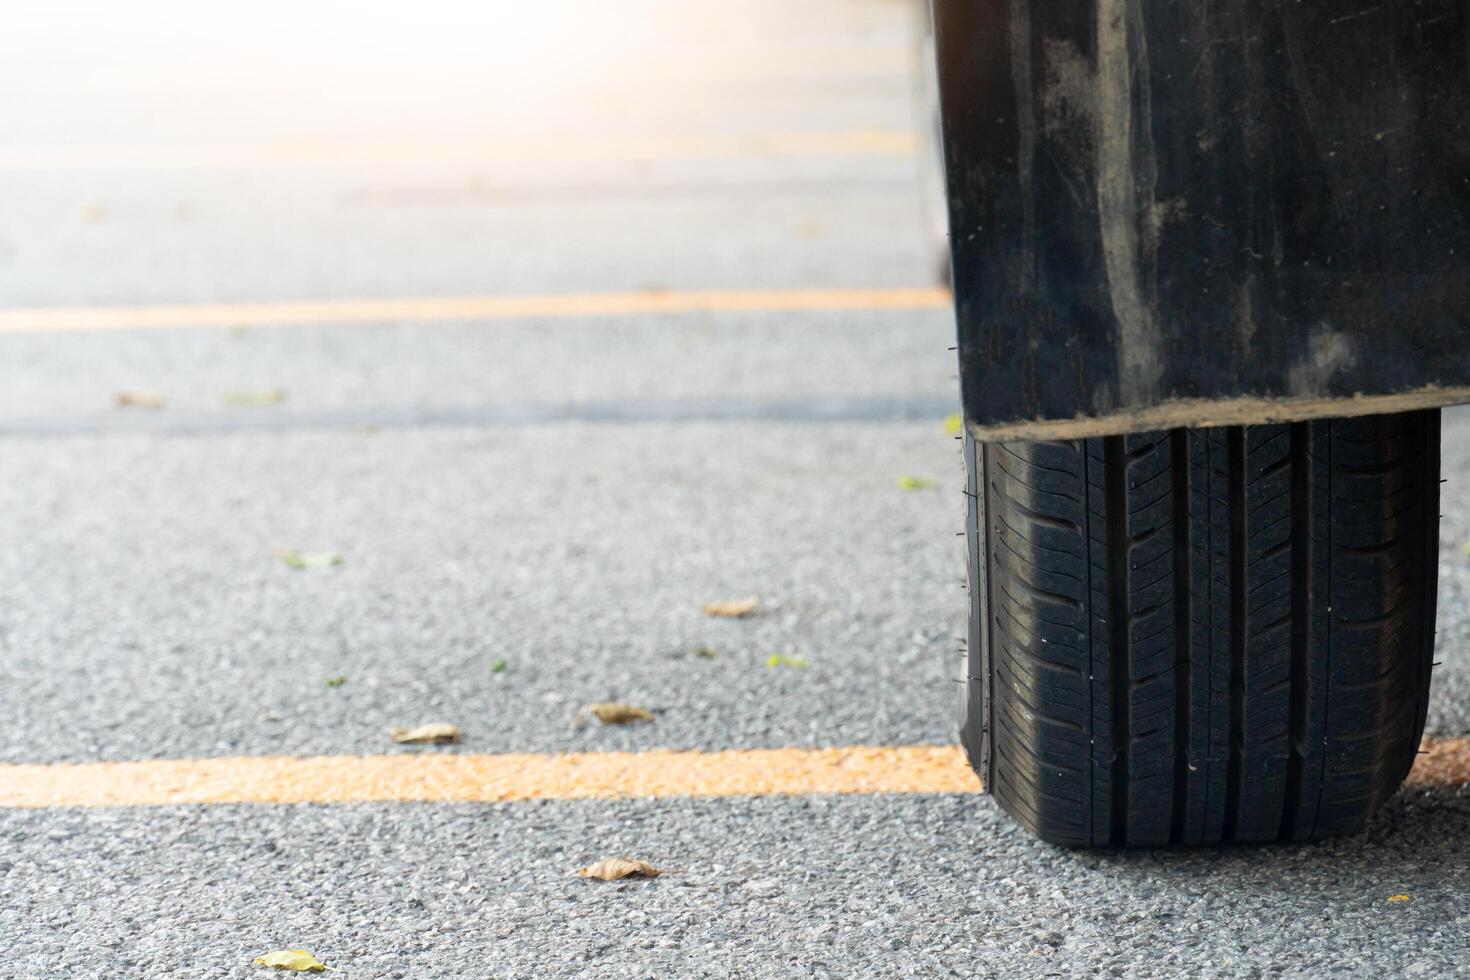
1202,635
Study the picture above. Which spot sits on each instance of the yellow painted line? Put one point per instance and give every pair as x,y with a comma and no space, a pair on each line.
431,777
457,778
77,319
419,151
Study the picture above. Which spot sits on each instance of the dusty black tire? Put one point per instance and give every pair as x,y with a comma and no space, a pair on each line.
1197,636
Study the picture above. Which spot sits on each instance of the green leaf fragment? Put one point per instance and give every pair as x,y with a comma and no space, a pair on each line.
783,660
498,665
337,681
310,559
907,482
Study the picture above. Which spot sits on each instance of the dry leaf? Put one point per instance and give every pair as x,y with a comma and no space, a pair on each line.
616,713
907,482
309,559
614,869
255,399
435,733
708,653
1398,898
782,660
953,425
298,960
733,608
138,399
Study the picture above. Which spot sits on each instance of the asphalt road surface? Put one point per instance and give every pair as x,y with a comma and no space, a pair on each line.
531,511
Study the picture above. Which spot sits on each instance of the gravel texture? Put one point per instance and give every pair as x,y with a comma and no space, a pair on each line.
871,887
144,612
146,603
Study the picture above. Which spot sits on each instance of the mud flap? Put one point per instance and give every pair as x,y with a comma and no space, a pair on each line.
1167,214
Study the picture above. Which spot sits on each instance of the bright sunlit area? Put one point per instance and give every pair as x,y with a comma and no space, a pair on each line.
484,493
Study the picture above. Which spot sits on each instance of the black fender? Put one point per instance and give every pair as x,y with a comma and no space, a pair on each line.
1173,213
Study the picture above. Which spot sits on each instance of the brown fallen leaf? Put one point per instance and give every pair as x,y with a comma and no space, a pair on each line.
1398,898
435,733
733,608
298,960
139,399
617,713
615,869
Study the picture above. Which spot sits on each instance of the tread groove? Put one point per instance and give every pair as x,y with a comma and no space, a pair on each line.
1036,517
1179,454
1235,454
1116,497
1301,585
1322,764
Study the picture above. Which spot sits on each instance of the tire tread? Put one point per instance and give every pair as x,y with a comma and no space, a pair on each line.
1202,636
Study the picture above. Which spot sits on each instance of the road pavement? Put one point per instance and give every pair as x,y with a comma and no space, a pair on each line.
530,515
